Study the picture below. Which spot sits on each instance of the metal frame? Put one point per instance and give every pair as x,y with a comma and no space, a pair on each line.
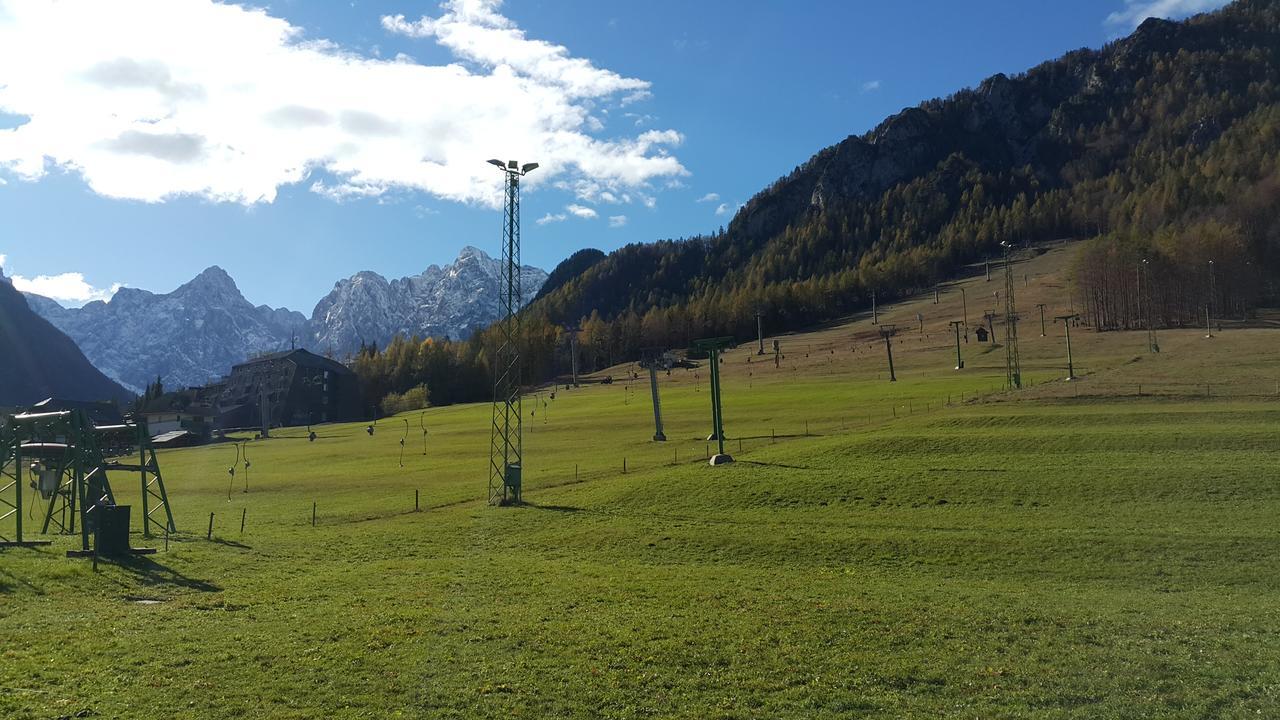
651,360
1012,359
713,346
506,437
82,471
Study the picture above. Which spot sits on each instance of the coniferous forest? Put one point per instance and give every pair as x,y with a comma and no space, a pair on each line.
1161,147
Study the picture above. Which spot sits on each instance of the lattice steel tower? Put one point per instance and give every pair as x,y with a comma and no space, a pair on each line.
506,444
1013,366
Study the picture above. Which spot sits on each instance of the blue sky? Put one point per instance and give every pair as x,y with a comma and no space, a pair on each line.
283,143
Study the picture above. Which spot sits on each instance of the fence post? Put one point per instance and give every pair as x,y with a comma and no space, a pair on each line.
209,535
243,513
313,514
415,500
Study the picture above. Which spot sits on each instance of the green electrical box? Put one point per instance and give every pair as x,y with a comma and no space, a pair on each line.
512,482
111,536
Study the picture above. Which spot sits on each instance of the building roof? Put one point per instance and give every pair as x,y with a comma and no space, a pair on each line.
298,357
99,413
170,437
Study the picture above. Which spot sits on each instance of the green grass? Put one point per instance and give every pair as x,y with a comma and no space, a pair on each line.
1026,555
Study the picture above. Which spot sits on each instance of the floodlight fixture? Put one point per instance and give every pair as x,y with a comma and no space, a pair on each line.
528,168
498,163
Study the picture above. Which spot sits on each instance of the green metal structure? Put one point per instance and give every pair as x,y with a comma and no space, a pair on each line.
506,436
713,347
64,457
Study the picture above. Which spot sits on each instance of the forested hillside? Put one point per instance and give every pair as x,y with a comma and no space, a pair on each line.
1162,146
39,362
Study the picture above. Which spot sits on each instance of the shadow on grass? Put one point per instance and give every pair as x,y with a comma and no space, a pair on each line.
555,508
770,464
146,571
230,543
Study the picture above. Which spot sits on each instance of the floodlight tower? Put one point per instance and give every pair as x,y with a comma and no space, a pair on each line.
1066,323
955,325
1152,344
1012,361
1041,307
651,360
887,332
506,437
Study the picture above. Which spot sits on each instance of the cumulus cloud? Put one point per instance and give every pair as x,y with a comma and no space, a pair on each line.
154,99
722,208
549,218
69,288
1135,11
870,86
581,211
617,221
709,197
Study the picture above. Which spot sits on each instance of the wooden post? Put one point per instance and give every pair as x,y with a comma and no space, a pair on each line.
243,513
313,514
209,535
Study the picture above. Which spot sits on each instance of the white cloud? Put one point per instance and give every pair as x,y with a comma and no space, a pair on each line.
617,221
581,211
154,99
709,197
722,209
1135,11
3,258
69,288
549,218
870,86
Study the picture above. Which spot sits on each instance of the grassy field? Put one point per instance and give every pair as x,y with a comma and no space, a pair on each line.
934,547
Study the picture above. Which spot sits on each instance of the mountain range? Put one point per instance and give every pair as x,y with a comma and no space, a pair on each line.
193,335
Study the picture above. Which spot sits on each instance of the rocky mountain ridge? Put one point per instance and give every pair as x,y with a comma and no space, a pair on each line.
193,335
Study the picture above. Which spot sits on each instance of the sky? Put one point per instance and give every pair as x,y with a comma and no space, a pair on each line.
297,142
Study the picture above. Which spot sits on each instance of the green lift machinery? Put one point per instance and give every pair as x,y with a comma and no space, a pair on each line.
64,458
